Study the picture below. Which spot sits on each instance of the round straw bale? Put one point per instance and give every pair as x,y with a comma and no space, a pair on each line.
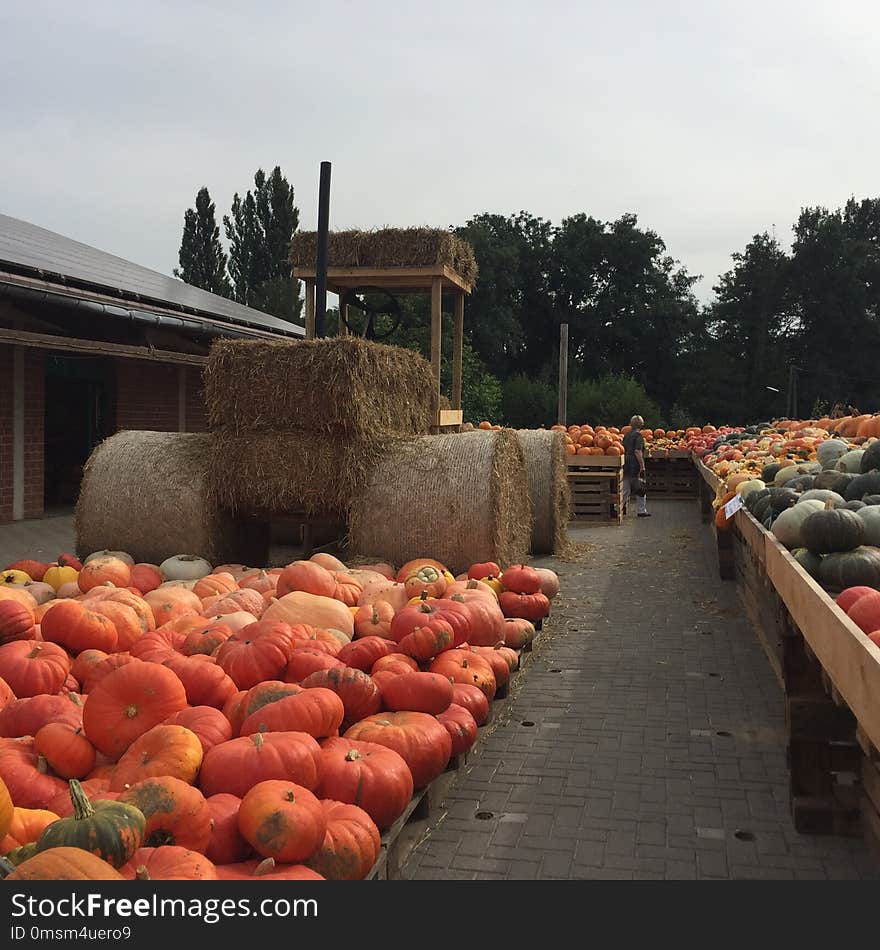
544,452
146,493
459,498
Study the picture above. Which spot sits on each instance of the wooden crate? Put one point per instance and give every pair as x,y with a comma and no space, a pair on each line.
596,486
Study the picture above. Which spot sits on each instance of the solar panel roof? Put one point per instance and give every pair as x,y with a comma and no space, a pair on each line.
24,246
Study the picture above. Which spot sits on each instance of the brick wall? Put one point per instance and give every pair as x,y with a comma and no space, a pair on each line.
34,415
196,414
146,395
5,433
34,410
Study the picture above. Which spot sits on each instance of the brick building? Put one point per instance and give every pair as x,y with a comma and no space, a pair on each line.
91,344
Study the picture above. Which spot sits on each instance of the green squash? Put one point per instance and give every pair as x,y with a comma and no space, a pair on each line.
833,480
871,459
808,561
832,529
861,485
857,568
768,472
111,830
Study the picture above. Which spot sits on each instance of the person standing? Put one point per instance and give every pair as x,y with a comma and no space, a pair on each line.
634,466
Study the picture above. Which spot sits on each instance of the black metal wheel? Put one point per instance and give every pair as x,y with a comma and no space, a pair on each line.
370,303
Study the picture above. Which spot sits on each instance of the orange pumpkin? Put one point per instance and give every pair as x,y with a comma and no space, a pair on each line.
103,570
162,750
282,820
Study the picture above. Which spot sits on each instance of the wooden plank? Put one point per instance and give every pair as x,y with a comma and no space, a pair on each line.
849,658
45,341
611,462
411,278
458,348
450,417
436,335
752,532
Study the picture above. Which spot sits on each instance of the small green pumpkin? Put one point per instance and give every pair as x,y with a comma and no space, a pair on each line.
832,529
111,830
857,568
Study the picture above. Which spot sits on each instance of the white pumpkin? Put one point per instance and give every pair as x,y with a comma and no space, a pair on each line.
851,461
184,567
830,451
821,494
787,526
746,488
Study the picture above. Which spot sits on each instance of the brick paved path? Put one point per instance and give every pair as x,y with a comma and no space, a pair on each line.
645,739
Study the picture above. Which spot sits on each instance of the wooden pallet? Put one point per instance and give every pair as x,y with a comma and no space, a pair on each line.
596,486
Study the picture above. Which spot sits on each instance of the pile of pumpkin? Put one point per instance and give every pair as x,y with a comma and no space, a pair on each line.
602,440
825,511
179,721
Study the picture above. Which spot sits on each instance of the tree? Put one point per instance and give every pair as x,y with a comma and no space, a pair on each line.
202,258
259,229
752,322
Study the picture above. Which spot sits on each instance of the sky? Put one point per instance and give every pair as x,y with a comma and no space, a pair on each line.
710,120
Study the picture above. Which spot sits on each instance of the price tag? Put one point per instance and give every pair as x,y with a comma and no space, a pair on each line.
733,506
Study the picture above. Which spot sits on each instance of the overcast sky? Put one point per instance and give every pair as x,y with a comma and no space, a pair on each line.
711,120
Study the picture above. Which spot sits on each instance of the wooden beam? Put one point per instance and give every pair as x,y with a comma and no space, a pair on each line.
457,352
436,335
45,341
310,309
562,414
845,653
418,278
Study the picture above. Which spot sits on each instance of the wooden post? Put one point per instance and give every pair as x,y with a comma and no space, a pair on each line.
563,374
436,335
310,309
457,353
343,312
181,398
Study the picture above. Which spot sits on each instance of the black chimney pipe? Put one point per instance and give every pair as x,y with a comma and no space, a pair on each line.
321,263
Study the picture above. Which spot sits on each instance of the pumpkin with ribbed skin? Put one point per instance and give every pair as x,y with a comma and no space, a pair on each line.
301,607
162,750
206,637
96,789
461,726
66,749
246,600
498,662
127,598
25,717
175,813
208,724
484,569
56,576
304,662
395,662
157,645
16,621
129,702
361,654
65,864
31,667
282,820
351,843
486,618
26,774
76,628
169,603
125,622
864,611
226,845
205,682
212,585
317,711
266,870
145,577
374,620
421,741
112,831
464,667
26,825
98,671
257,652
101,570
367,774
250,701
532,607
80,667
417,692
306,576
359,694
518,632
234,767
521,579
427,581
6,809
457,614
168,863
848,597
473,700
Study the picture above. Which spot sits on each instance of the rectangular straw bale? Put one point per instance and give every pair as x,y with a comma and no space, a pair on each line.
388,247
350,387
